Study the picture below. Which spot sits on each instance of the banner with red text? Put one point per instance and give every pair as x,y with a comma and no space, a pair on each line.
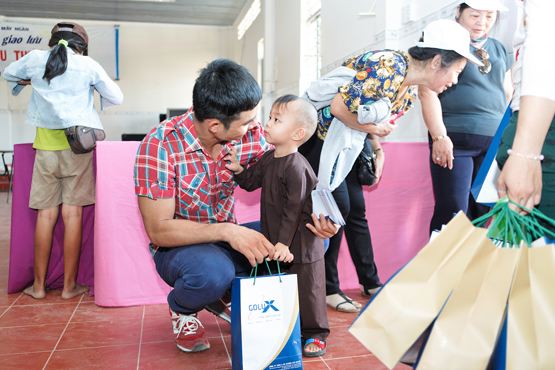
17,39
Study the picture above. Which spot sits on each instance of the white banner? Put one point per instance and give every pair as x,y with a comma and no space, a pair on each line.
17,39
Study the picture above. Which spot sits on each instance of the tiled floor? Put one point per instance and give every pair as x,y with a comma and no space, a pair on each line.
77,334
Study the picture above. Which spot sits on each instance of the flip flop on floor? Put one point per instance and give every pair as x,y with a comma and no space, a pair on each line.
353,302
340,302
369,292
319,343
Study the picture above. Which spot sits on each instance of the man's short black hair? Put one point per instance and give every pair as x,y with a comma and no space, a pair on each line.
223,90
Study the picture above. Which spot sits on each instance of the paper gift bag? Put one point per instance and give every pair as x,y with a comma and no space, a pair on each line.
466,330
265,324
409,302
531,313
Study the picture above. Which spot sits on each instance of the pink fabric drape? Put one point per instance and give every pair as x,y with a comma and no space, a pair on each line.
398,211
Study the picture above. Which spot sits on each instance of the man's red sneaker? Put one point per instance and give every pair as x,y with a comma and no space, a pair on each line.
189,332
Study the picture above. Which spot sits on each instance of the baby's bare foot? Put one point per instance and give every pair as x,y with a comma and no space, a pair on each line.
77,290
35,293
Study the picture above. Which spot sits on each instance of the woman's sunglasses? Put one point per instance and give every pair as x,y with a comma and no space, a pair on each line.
482,54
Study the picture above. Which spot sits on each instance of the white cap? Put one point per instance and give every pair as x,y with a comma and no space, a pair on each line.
486,5
448,35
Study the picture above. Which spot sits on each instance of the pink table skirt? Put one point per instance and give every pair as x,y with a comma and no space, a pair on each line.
398,210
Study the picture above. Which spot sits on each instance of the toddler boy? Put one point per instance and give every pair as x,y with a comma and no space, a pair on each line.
287,180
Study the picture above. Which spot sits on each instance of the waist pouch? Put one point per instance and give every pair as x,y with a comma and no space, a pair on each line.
83,139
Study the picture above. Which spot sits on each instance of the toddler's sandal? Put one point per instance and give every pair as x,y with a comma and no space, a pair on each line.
320,343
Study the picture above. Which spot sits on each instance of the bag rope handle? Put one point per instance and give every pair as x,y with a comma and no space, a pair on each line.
508,227
255,270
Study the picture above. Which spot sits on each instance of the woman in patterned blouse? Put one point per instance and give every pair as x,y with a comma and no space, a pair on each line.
390,75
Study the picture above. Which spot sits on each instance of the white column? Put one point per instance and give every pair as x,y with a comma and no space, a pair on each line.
269,58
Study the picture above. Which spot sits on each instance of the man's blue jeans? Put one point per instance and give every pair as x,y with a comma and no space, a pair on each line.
200,274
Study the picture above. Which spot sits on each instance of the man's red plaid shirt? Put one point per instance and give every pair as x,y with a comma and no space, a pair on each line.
171,161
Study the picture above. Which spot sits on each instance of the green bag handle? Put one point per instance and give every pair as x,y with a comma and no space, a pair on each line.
508,227
255,270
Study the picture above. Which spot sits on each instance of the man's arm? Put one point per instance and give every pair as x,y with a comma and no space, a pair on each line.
165,231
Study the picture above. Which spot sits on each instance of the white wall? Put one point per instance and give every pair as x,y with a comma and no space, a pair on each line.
159,63
158,66
345,33
286,54
245,51
288,46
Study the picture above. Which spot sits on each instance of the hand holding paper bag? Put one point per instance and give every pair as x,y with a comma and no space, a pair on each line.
466,281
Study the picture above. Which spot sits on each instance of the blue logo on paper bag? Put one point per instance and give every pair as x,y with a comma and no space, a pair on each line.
263,307
268,306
